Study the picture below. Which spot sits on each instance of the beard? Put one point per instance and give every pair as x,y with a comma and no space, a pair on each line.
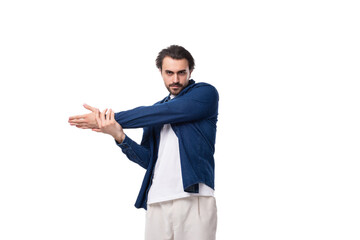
175,88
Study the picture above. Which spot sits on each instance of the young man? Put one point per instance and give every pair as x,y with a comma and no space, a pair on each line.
177,150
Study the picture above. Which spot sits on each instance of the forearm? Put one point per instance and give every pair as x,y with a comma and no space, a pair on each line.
135,152
199,104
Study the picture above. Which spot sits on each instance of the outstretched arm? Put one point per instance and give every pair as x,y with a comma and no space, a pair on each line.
199,103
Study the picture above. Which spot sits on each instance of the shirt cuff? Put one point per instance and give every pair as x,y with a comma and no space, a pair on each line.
125,144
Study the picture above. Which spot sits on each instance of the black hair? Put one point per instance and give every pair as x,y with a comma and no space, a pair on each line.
175,52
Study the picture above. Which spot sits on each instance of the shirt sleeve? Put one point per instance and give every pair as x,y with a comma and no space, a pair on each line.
138,153
200,102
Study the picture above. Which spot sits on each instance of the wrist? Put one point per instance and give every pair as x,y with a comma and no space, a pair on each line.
119,137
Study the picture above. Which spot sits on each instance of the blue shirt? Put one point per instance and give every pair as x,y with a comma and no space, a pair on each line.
193,117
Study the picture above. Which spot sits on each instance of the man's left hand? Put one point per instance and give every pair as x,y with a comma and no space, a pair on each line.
86,121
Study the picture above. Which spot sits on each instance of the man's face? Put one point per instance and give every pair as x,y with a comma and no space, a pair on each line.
176,74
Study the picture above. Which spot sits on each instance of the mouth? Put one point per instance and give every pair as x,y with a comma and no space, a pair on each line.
175,86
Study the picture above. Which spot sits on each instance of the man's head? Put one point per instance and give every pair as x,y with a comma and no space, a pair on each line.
176,65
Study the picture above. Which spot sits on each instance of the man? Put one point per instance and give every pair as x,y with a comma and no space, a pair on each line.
177,150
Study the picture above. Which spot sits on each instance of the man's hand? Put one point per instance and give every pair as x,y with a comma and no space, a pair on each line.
108,125
86,121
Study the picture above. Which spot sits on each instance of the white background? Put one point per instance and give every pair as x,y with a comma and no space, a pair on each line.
287,153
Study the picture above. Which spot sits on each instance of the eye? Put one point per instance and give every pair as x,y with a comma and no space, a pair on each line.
168,72
182,72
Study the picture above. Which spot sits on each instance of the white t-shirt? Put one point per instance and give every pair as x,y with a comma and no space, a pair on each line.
167,179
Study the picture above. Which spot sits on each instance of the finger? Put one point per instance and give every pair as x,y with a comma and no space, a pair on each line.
77,117
79,125
107,116
88,107
96,130
111,115
82,127
75,121
97,117
103,116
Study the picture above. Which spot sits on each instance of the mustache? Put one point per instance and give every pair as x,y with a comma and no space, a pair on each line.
176,85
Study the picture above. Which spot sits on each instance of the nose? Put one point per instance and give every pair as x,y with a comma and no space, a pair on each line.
175,78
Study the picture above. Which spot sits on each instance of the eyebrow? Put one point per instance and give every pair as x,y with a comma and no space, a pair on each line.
169,71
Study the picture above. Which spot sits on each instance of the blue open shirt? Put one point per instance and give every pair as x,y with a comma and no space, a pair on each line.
193,117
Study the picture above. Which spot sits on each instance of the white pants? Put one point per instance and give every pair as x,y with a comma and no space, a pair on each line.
191,218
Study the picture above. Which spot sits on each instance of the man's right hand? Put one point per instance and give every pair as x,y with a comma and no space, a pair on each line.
86,121
109,126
